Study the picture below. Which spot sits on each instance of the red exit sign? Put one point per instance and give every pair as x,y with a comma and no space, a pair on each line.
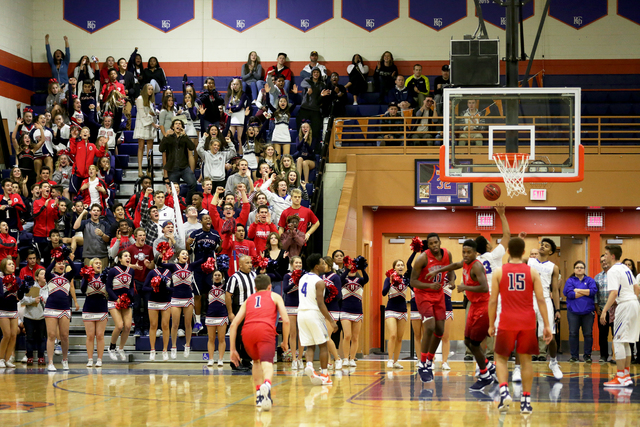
538,194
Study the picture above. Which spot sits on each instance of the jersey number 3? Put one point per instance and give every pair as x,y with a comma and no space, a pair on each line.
258,301
516,281
487,266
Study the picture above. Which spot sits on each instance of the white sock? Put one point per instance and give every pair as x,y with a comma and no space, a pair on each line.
325,372
310,365
554,360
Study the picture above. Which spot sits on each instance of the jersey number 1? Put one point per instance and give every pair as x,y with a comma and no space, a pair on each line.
304,289
258,302
516,281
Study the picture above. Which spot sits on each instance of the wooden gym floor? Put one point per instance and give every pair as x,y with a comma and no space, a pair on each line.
191,394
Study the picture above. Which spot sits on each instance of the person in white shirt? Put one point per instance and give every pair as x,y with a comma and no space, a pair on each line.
312,313
192,221
624,292
165,213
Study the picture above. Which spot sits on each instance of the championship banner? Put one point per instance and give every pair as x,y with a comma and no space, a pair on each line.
629,9
497,15
370,14
166,15
88,16
304,15
579,13
437,14
240,15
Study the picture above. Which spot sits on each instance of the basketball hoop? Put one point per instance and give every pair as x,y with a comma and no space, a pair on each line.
512,167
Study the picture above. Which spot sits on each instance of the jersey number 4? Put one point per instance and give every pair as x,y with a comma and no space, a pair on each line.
516,281
304,289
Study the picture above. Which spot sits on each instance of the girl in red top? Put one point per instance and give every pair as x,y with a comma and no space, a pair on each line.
92,187
8,245
84,153
259,231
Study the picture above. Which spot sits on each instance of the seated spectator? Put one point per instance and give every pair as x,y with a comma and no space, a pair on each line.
581,291
439,84
335,104
270,157
260,229
287,164
306,216
384,75
33,264
425,132
305,150
418,85
293,240
177,145
313,63
400,94
281,70
358,73
392,135
252,74
473,120
154,75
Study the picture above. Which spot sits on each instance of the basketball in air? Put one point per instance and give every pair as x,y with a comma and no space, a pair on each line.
491,192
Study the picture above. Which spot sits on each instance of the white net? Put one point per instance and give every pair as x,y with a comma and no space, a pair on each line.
512,167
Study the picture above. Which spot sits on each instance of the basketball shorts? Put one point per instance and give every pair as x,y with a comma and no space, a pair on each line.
431,305
550,314
477,326
524,341
626,325
312,328
259,346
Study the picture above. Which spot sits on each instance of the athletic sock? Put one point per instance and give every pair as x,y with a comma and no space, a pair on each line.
621,373
525,395
257,388
268,383
626,372
504,388
483,372
554,360
112,346
517,367
430,357
325,372
423,357
310,365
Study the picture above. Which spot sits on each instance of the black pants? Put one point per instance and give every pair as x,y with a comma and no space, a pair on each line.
36,333
140,308
603,337
244,356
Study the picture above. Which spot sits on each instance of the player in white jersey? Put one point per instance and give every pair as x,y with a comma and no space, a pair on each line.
549,273
626,327
312,313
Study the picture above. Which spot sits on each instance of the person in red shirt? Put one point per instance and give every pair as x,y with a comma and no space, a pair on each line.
100,187
133,205
227,226
45,176
168,201
281,70
84,153
293,240
141,263
45,214
430,301
8,244
112,85
207,197
241,247
32,265
260,313
259,231
305,214
515,283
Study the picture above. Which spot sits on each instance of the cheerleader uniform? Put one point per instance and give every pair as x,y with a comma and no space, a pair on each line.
9,300
95,307
236,108
58,303
249,154
217,314
119,282
290,291
447,301
415,315
352,296
182,282
191,115
397,303
334,305
161,300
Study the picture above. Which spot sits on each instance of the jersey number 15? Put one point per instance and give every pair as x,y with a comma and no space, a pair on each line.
516,281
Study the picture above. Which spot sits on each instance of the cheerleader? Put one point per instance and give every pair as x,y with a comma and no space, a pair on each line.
351,314
120,289
333,305
281,136
251,147
95,309
395,316
190,112
10,294
182,298
290,291
416,319
157,287
217,319
57,310
237,107
43,154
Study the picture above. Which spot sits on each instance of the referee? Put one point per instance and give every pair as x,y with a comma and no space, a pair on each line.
240,287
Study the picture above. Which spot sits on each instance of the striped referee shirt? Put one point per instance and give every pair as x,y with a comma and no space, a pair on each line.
241,286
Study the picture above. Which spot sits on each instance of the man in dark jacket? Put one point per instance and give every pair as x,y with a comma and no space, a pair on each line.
211,101
177,145
313,90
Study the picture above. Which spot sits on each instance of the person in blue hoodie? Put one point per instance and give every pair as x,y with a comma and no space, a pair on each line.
581,291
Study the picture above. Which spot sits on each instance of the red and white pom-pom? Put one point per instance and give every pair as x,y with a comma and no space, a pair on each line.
332,292
155,283
56,254
123,302
416,244
389,272
167,255
209,266
259,262
10,283
296,275
163,247
396,279
87,272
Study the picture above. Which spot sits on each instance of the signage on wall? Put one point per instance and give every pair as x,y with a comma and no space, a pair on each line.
370,14
240,15
495,14
86,16
579,13
629,9
538,194
305,15
166,15
437,14
430,191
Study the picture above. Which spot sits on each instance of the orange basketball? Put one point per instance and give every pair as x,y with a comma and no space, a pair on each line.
491,192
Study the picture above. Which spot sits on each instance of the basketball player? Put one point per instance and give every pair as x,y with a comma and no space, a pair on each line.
515,283
260,312
430,301
626,324
549,273
477,326
312,313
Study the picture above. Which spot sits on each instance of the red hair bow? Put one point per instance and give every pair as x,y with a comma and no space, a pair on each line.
27,110
107,114
53,81
74,96
64,153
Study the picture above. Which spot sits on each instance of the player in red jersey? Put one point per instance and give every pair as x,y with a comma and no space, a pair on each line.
430,301
260,314
477,326
516,283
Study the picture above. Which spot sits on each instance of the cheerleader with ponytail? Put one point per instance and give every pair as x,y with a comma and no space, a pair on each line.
158,287
217,315
95,309
290,292
333,300
10,293
351,315
120,289
395,316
